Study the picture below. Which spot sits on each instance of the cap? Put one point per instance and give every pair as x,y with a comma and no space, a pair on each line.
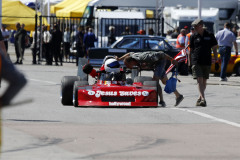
142,32
196,22
192,28
185,27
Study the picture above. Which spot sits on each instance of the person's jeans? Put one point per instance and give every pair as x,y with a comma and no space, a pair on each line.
225,54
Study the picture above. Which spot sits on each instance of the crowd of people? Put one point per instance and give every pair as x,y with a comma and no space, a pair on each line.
54,43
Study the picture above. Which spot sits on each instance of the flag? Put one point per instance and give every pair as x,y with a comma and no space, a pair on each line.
180,57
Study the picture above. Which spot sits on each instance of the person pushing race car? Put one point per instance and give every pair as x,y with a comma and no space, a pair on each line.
152,60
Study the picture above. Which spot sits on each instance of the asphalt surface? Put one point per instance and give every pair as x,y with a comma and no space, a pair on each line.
44,129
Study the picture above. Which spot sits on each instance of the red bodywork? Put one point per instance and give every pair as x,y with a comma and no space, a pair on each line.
117,93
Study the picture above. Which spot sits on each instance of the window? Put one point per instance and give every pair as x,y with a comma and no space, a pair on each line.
133,43
155,44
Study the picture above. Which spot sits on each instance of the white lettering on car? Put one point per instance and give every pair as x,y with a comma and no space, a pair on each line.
91,93
133,93
115,93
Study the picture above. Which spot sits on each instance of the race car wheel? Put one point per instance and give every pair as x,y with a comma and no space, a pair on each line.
77,85
67,89
237,69
142,79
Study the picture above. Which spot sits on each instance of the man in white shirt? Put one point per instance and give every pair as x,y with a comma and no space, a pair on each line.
47,46
225,39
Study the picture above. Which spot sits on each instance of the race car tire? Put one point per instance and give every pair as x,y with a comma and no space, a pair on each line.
67,89
142,79
77,85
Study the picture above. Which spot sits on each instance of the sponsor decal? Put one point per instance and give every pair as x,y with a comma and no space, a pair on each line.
119,103
145,93
91,93
133,93
116,93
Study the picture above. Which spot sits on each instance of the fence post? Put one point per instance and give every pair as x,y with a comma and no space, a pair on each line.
35,34
41,55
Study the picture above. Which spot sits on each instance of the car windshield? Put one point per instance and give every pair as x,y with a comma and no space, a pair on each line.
171,42
155,44
130,43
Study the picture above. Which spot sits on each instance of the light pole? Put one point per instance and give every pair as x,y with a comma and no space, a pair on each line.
199,9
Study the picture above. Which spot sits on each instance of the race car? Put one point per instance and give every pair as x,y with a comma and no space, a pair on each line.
112,88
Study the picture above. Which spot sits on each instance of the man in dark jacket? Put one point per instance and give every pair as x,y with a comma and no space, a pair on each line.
89,39
201,45
56,44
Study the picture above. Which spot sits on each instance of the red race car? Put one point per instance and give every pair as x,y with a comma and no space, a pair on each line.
112,88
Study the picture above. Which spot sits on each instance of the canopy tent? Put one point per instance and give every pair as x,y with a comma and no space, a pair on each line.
14,11
74,10
61,5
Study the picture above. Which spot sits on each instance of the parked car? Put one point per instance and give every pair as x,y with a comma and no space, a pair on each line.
233,66
135,43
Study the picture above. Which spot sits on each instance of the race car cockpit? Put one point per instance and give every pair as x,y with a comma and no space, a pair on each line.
110,71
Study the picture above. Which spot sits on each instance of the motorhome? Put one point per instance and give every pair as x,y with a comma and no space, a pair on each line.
180,17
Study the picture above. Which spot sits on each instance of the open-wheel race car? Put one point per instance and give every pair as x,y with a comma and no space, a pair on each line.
111,88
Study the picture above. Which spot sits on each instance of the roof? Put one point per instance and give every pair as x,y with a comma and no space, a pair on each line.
26,16
74,9
142,36
187,14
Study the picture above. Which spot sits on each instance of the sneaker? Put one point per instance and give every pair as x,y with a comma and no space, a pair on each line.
198,102
223,79
203,103
162,103
179,100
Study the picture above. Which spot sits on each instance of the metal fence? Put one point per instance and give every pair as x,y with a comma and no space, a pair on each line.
100,26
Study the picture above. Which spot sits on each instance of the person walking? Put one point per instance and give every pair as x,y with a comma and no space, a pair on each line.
180,43
155,61
226,39
17,44
56,44
36,47
201,44
126,31
8,72
23,39
66,42
111,35
187,40
46,45
79,44
175,32
5,34
89,39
